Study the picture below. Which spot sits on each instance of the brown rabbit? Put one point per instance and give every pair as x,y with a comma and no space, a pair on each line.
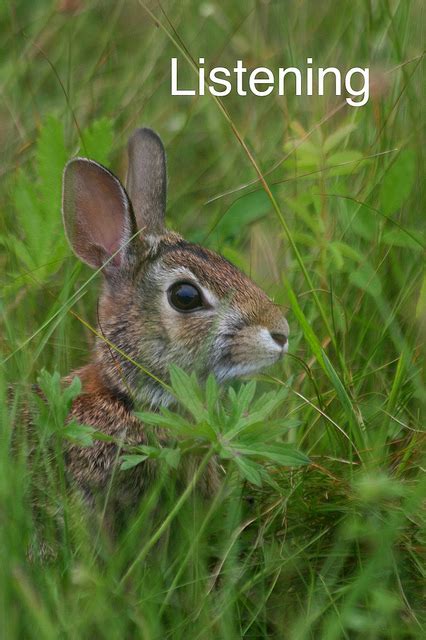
164,300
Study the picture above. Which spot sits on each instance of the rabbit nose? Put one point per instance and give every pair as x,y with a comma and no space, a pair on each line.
279,338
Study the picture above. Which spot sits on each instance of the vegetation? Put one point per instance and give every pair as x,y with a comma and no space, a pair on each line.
317,528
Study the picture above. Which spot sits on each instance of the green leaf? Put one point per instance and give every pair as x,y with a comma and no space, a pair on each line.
303,161
360,218
170,421
97,140
55,404
367,279
212,394
282,454
263,432
148,450
18,247
250,470
246,209
336,255
188,392
398,182
301,205
104,437
80,434
38,202
342,157
72,390
267,402
421,302
246,395
337,137
176,424
202,429
29,210
171,457
348,251
264,406
303,146
51,155
131,460
49,384
234,255
400,238
345,162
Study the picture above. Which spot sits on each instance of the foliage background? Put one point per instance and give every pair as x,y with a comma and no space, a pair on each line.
332,550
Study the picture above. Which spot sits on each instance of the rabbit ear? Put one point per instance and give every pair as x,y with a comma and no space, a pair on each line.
147,180
97,214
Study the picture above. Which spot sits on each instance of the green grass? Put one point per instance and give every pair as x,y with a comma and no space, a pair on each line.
322,204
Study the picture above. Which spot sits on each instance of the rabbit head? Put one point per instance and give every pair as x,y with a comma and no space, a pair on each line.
164,300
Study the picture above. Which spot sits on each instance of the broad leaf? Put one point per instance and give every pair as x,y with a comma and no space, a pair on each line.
337,137
171,457
80,434
97,140
367,279
398,182
131,460
187,392
282,454
250,470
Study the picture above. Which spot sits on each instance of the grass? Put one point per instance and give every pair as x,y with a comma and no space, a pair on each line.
322,204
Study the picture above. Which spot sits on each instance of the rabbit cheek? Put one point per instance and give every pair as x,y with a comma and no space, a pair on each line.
188,333
254,347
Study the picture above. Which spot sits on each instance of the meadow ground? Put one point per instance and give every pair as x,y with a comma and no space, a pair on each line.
331,549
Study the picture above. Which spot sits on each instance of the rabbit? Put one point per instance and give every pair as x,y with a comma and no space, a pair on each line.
164,301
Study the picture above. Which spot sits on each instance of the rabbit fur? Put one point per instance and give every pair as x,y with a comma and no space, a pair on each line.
235,330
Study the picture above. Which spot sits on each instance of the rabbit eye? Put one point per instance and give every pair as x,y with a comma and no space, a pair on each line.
184,296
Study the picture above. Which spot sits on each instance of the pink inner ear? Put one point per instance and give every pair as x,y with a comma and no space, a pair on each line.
96,212
105,212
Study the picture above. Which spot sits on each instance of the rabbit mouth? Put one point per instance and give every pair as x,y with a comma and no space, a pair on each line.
242,355
228,370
